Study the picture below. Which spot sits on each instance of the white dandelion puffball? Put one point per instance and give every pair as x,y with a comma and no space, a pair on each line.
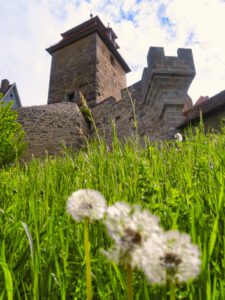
172,257
178,137
86,203
129,227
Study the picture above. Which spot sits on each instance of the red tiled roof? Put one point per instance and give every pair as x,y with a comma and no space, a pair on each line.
187,105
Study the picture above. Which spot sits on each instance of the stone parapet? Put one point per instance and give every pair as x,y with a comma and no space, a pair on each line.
165,83
166,67
49,127
182,63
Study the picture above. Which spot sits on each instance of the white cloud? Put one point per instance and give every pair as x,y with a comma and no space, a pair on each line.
28,27
204,20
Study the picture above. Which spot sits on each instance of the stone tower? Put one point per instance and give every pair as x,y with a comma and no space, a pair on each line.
86,60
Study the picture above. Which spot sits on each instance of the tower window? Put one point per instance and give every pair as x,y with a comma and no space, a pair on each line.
112,60
70,97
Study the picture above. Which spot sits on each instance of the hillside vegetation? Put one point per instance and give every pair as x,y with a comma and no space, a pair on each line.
41,247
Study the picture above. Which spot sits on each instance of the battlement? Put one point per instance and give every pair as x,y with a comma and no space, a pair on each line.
165,82
159,63
180,67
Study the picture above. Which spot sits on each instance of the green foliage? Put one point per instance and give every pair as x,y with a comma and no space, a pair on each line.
11,134
43,257
87,114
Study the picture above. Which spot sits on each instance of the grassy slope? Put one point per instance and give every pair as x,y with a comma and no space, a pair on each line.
182,183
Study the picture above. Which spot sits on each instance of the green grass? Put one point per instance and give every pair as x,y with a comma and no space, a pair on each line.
41,247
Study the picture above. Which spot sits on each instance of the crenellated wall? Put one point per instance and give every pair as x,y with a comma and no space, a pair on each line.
156,102
165,83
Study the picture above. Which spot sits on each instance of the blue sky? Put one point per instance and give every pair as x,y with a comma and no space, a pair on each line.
28,27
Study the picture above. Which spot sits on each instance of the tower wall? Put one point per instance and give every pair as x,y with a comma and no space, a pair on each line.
165,83
87,66
73,69
110,76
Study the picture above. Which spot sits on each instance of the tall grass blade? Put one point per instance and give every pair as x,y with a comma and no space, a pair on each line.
8,280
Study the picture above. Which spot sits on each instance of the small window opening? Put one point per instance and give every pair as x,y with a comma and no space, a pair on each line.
70,97
112,60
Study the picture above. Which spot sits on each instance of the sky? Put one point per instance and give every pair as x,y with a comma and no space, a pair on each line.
28,27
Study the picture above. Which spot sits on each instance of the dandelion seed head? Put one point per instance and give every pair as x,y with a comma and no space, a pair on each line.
178,137
129,227
130,223
173,257
170,260
86,203
131,237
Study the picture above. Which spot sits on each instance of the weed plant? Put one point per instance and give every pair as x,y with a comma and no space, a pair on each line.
41,247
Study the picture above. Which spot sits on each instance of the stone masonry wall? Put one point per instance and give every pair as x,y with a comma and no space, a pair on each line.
88,66
112,113
125,115
48,127
165,84
73,69
212,122
156,102
110,76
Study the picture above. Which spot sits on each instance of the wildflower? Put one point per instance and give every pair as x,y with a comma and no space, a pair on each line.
172,259
178,137
86,203
129,227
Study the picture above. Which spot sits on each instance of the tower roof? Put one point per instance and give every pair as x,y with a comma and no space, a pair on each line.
87,28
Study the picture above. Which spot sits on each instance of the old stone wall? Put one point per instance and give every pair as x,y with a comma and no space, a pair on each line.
212,122
86,66
48,127
215,121
113,115
110,76
73,69
155,103
165,84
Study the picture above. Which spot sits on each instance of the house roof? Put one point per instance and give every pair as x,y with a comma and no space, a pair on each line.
206,108
85,29
187,105
7,89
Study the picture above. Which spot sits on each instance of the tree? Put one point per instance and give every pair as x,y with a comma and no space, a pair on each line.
11,134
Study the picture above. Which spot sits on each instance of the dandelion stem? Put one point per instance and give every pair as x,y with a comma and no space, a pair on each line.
172,290
87,258
129,283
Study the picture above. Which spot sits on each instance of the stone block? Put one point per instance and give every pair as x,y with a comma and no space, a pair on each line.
155,55
186,56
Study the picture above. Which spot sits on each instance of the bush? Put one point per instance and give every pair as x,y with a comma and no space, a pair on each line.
11,134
